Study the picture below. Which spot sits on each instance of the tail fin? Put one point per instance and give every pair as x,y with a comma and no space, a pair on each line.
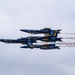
58,31
59,39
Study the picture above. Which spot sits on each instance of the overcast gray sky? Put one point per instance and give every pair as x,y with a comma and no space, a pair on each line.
35,14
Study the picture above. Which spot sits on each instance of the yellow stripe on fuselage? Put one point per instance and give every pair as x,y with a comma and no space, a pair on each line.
54,34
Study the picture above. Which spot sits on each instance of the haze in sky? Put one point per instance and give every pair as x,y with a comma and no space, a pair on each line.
36,14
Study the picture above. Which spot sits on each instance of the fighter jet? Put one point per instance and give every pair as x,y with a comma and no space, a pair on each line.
44,47
46,31
28,41
32,39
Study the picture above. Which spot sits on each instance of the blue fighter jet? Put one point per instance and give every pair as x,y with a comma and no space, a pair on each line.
46,31
44,47
26,41
30,40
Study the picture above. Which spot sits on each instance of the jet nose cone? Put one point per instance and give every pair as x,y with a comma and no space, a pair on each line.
24,30
24,47
2,40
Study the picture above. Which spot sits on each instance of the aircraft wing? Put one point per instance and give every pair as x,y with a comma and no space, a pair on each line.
44,47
